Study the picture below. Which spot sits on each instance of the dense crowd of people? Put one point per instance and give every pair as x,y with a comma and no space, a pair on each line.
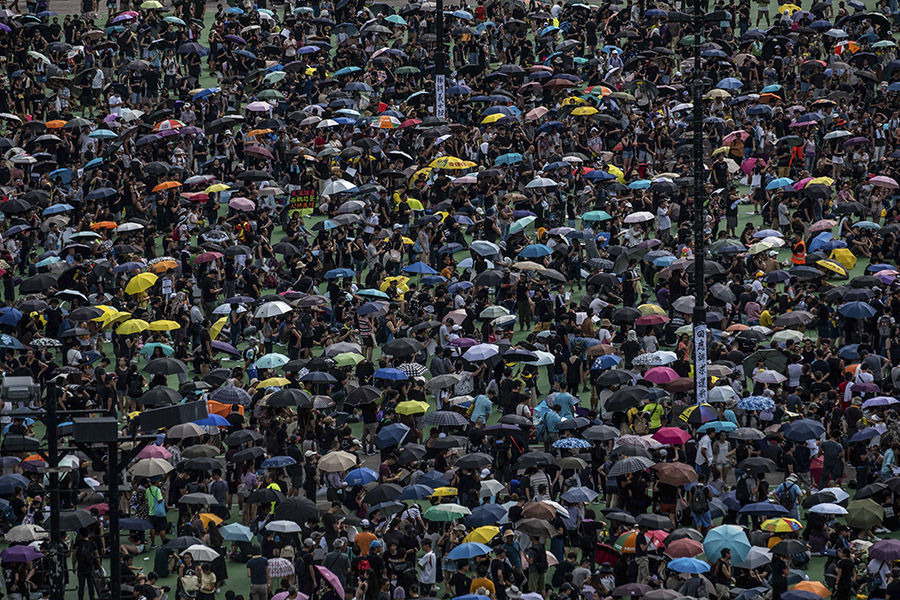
452,356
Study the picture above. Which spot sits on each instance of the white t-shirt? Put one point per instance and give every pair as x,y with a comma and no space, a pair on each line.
428,568
705,442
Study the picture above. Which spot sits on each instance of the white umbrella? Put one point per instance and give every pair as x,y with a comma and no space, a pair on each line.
540,182
543,359
484,248
655,359
491,487
788,335
722,393
272,309
338,186
283,527
481,352
125,227
639,217
26,533
769,376
225,309
326,123
150,467
839,494
828,508
201,553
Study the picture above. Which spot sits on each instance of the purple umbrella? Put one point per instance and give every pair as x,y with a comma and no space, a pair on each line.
333,580
879,401
866,388
123,17
235,39
189,130
856,141
20,554
226,347
885,550
463,342
5,27
257,150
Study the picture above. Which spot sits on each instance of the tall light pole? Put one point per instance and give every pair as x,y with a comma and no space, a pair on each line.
440,64
699,316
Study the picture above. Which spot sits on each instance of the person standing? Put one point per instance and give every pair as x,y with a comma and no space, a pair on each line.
156,506
427,569
260,582
85,561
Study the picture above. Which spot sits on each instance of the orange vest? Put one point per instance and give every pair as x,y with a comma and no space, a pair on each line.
798,257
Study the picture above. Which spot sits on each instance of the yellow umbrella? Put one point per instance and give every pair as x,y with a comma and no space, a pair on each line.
401,283
140,283
407,241
217,187
412,407
482,535
832,266
791,8
217,327
651,309
151,5
721,150
573,100
451,163
107,310
132,326
822,180
585,111
843,256
164,325
781,525
207,517
348,359
488,120
110,319
444,492
415,204
273,382
619,173
421,173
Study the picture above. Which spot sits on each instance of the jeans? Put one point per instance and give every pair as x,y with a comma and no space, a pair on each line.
86,578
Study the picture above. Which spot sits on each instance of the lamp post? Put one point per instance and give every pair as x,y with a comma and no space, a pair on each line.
440,64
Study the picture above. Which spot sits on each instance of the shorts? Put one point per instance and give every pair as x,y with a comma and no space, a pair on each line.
368,341
667,509
703,519
159,523
369,428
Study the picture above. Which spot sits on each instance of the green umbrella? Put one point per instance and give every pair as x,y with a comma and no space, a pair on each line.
148,349
596,215
864,514
372,293
444,513
174,20
407,71
270,95
275,76
521,224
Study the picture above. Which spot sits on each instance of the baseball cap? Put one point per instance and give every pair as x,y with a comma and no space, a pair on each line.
375,544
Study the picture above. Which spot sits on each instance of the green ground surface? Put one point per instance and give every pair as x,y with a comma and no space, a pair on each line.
237,579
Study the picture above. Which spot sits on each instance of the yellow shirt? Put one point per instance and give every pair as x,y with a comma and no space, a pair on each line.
766,319
482,582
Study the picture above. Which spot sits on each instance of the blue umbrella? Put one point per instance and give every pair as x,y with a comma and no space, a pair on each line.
580,494
663,261
486,514
857,310
373,293
8,341
803,430
799,595
346,71
63,175
849,352
779,182
416,491
605,362
360,476
235,532
278,462
10,315
391,374
727,536
756,403
48,261
509,158
56,209
468,550
571,443
434,280
391,435
338,273
726,426
420,268
459,90
640,184
213,420
764,509
459,285
598,175
536,251
820,240
463,14
688,565
730,83
866,434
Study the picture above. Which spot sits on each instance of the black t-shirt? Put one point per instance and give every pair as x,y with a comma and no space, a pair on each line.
845,581
18,507
778,578
207,285
460,583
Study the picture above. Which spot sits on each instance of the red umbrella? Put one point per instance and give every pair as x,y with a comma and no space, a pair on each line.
652,320
208,257
684,548
333,580
671,435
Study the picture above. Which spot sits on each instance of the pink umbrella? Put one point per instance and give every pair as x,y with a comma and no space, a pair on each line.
257,150
241,203
284,595
885,182
661,375
735,134
551,559
823,225
259,106
155,452
748,165
536,113
802,183
208,257
333,580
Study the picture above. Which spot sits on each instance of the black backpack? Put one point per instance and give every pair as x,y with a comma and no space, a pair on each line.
84,553
744,489
785,498
699,500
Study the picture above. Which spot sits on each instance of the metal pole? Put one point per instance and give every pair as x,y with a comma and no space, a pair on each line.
699,317
57,557
112,470
440,64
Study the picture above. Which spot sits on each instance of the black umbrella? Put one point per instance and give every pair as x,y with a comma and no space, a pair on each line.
403,346
297,509
365,394
73,520
625,398
183,542
203,463
265,495
757,465
166,366
534,459
247,454
37,284
243,436
789,547
384,492
160,396
474,460
289,397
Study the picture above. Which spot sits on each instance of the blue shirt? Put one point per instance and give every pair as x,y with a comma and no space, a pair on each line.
257,567
482,408
552,421
566,403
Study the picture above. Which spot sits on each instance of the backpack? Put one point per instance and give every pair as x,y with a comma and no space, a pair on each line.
785,498
84,554
699,501
885,324
744,487
639,424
